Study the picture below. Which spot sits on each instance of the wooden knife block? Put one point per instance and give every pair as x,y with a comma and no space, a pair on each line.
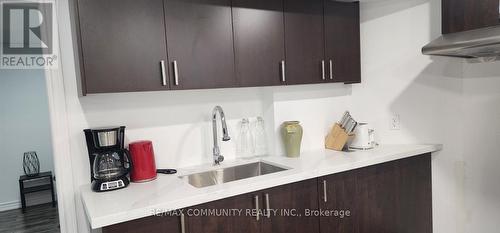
337,138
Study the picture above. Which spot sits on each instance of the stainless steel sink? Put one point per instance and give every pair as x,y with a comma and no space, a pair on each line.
224,175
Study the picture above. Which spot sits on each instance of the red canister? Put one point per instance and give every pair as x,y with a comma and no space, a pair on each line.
143,161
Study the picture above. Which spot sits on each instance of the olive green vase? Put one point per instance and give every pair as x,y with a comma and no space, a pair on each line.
291,132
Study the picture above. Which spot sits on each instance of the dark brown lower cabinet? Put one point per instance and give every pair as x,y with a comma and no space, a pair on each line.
288,205
336,193
390,197
244,222
393,197
153,224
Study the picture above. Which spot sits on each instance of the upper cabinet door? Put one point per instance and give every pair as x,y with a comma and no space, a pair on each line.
342,41
122,45
464,15
304,42
258,41
200,43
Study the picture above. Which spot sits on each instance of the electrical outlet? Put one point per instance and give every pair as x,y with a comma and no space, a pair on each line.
395,123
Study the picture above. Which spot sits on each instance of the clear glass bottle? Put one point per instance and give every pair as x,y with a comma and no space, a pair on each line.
260,140
245,145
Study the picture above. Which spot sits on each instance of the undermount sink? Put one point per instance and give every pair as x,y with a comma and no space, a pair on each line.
228,174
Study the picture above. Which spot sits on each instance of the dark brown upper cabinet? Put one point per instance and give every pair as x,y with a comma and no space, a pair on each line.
122,45
149,45
200,43
304,42
464,15
342,41
258,41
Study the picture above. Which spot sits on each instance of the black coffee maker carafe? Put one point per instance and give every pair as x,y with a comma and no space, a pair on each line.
109,160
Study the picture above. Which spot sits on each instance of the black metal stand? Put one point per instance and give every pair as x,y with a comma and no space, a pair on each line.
36,188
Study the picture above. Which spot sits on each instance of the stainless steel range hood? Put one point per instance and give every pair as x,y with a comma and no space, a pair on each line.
483,44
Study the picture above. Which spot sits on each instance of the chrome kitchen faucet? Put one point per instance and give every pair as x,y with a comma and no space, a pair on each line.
225,137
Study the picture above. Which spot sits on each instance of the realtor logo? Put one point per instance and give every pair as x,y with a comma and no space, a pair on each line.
27,35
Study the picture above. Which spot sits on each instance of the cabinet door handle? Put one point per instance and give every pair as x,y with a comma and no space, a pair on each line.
283,78
256,198
331,69
323,69
325,198
268,207
163,73
183,223
176,74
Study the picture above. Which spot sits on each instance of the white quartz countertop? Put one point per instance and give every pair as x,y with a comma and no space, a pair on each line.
168,192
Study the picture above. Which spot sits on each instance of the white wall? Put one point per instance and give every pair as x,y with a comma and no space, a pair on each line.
396,79
24,126
481,126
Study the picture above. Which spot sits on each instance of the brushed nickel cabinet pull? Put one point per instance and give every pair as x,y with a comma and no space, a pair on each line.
183,223
283,78
257,217
268,207
331,69
323,69
163,73
325,198
176,74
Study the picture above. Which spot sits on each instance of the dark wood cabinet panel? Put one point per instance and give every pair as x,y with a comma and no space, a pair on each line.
463,15
342,41
304,41
376,199
215,43
339,190
300,196
244,223
258,41
395,197
200,39
122,44
415,195
389,197
153,224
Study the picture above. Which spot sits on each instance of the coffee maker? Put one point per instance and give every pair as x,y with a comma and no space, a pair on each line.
109,160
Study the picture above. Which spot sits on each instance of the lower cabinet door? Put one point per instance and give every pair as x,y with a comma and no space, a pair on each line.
395,197
389,197
337,202
153,224
285,208
231,215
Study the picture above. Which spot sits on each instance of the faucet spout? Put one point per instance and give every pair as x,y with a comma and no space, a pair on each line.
225,137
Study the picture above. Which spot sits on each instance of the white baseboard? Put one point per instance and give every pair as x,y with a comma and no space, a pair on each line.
10,205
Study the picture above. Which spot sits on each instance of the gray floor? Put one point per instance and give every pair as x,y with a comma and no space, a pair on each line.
37,219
